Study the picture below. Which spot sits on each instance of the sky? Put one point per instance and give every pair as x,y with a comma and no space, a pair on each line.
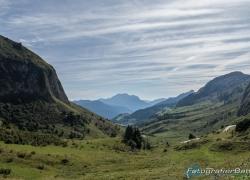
152,49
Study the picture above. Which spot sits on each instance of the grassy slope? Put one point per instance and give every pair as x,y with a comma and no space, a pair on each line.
108,159
198,119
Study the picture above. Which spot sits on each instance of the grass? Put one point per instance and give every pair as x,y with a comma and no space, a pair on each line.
108,158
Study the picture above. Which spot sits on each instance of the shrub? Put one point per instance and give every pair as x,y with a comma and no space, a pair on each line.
64,161
146,145
14,136
9,160
243,125
40,166
191,136
4,171
21,155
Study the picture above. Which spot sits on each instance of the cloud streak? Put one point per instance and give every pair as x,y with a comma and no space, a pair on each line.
150,48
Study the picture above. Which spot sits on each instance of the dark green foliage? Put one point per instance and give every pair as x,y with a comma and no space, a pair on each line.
21,155
133,138
191,136
146,145
64,161
40,167
243,125
10,136
9,160
41,118
4,171
38,115
75,134
72,119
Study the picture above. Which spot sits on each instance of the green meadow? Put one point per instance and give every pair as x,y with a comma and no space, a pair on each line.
108,158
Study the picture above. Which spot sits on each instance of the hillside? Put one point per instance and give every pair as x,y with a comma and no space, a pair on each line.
214,105
102,109
245,104
146,114
223,88
32,98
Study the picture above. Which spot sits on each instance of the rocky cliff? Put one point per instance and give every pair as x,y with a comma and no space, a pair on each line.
25,77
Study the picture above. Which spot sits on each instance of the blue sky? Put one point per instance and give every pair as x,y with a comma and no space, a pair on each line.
148,48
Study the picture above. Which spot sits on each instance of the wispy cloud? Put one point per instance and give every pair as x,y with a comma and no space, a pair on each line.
150,48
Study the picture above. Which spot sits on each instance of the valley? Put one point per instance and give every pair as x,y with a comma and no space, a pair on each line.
45,136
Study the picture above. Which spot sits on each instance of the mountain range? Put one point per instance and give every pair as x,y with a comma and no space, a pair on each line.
102,109
217,104
231,90
32,99
149,112
118,104
224,88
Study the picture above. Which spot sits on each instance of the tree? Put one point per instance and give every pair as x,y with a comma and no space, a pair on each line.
133,138
128,134
243,125
191,136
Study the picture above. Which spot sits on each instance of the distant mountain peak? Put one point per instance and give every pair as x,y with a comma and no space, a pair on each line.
131,102
146,113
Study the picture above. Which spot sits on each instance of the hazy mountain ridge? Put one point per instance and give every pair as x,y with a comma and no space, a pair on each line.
131,102
148,113
102,109
115,105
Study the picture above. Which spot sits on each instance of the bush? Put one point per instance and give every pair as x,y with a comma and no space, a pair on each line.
9,160
191,136
21,155
40,166
146,145
243,125
14,136
4,171
64,161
